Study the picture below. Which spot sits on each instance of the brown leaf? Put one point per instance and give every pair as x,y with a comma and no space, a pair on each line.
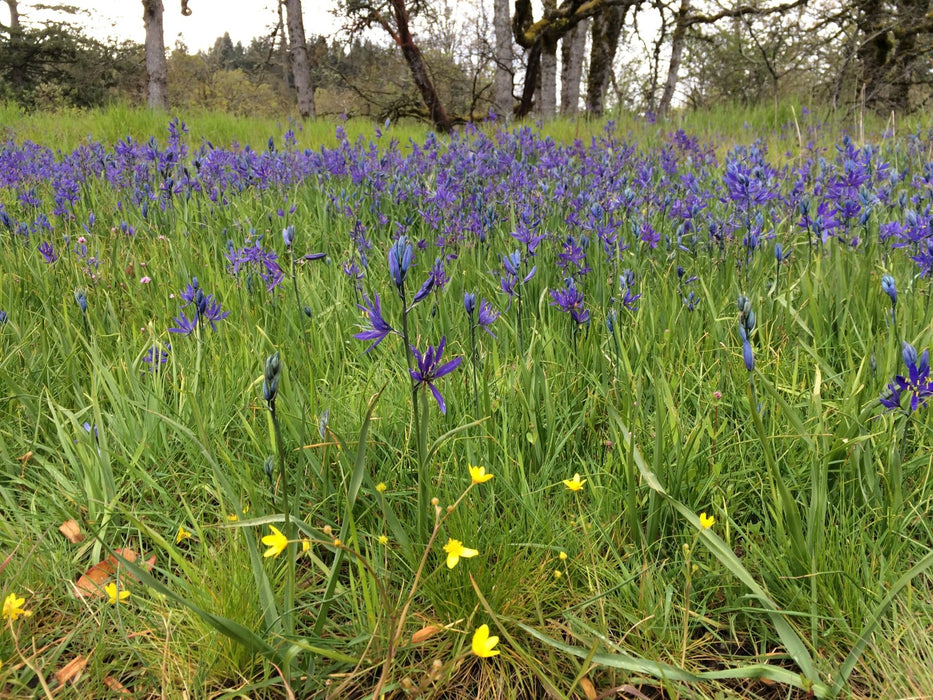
92,582
116,686
588,688
25,457
72,531
425,633
71,671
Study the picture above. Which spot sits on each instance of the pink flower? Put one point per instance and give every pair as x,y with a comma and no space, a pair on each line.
145,280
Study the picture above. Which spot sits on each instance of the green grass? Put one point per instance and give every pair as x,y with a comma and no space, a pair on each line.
819,498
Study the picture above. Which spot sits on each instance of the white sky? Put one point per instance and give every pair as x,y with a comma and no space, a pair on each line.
209,19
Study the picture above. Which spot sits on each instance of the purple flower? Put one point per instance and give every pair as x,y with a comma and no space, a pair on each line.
400,255
378,328
430,369
570,299
206,308
917,382
156,357
48,252
487,316
889,288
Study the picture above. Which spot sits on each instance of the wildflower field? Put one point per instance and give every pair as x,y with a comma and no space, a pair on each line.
623,412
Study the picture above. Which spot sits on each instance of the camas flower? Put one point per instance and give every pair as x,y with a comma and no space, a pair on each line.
378,328
916,384
400,256
430,369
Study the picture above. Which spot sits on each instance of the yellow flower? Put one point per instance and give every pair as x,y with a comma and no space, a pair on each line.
381,487
233,517
337,542
575,484
13,608
114,595
183,534
305,545
562,556
558,573
455,550
483,644
479,475
383,539
276,542
706,521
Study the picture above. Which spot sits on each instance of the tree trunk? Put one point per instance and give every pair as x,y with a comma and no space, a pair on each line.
677,50
531,79
546,104
156,68
14,13
503,83
607,27
298,55
419,70
571,58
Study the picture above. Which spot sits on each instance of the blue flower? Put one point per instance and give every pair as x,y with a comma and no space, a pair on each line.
48,252
889,288
400,256
430,369
917,382
487,316
378,328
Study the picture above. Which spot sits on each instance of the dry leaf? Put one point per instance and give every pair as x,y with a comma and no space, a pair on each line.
71,671
93,581
25,457
588,688
425,633
72,531
116,686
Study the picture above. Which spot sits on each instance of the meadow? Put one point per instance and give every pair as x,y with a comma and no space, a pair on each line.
577,411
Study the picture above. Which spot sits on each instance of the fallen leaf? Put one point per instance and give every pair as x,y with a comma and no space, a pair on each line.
588,688
72,670
425,633
72,531
116,686
92,582
95,579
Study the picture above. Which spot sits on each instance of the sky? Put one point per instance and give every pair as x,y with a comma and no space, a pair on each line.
209,19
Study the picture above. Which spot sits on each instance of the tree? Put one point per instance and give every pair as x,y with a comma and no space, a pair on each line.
156,66
503,98
607,27
572,48
894,42
394,16
300,64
